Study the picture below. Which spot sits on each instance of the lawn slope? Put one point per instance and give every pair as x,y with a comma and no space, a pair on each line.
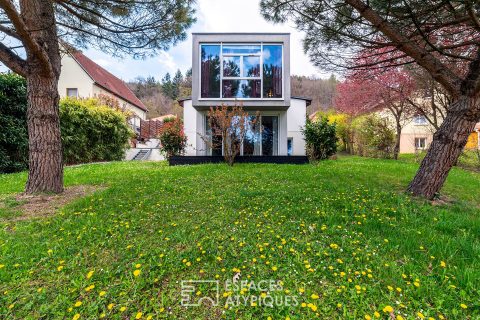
340,237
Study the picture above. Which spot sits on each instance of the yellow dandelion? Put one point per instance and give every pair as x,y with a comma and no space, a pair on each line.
139,315
314,296
78,303
388,309
122,309
136,273
443,264
420,315
367,317
76,316
138,265
110,306
376,314
274,268
102,293
463,306
90,274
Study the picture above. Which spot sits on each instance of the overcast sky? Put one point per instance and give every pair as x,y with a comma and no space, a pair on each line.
212,16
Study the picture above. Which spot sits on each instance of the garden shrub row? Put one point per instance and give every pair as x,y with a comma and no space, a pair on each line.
90,131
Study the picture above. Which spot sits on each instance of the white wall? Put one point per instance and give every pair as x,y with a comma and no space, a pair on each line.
73,76
296,118
190,115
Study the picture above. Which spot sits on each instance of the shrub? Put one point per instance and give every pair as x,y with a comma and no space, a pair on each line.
172,138
13,123
92,132
373,137
320,138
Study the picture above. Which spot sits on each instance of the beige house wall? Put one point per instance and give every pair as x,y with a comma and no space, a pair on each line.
410,131
73,76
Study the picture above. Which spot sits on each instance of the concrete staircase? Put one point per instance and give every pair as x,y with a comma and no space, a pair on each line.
142,154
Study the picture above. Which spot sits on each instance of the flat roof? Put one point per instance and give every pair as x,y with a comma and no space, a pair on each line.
308,100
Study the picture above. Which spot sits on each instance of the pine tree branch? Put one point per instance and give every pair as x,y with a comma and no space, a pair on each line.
12,60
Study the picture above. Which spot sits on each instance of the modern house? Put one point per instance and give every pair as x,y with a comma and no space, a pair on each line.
251,70
82,78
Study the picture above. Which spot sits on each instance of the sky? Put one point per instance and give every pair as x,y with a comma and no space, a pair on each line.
211,17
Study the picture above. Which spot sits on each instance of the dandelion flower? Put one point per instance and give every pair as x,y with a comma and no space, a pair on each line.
136,273
463,306
314,296
76,316
78,303
90,274
139,315
388,309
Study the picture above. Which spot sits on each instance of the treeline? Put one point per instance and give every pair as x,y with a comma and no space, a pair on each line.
321,91
161,96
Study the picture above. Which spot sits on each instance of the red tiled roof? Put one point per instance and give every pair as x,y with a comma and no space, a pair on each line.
107,81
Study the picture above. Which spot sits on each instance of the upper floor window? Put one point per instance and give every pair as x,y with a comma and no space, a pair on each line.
420,120
72,92
241,71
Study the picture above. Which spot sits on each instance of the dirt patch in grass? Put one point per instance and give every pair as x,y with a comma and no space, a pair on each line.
42,205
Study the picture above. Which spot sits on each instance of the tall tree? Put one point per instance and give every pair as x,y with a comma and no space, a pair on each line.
443,37
365,92
32,31
176,84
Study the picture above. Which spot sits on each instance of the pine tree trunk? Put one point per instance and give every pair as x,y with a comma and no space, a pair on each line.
44,142
45,147
447,145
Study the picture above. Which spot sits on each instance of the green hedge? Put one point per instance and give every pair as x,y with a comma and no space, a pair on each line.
373,137
13,123
92,132
320,139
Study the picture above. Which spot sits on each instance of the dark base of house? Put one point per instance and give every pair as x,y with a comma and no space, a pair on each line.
185,160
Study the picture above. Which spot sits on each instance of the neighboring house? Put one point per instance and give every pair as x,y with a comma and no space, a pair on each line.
417,134
82,78
251,70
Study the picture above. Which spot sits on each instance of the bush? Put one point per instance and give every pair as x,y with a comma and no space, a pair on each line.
373,137
320,138
172,138
92,132
13,123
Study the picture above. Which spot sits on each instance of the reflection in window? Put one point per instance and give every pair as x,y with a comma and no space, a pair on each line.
236,71
231,66
251,142
242,49
210,71
214,145
241,88
272,71
251,66
260,138
269,135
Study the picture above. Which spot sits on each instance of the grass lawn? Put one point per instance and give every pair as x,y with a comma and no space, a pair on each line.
340,238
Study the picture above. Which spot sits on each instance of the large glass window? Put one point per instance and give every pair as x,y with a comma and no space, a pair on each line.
272,71
210,71
238,71
269,135
261,137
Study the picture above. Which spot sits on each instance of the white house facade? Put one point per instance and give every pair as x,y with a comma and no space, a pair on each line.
251,70
80,77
